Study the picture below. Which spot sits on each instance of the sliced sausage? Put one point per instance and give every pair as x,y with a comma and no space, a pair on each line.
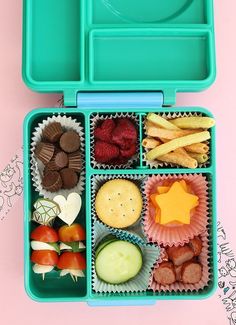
196,245
165,273
180,255
178,270
191,272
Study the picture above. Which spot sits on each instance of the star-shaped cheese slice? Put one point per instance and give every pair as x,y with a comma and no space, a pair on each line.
176,205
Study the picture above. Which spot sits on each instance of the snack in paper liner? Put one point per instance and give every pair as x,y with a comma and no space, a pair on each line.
140,283
95,119
37,167
180,286
134,231
160,164
176,234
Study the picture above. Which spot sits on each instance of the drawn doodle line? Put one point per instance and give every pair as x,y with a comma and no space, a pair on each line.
11,184
227,274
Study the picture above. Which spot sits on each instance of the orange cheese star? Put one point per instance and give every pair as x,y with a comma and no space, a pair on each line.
176,205
163,189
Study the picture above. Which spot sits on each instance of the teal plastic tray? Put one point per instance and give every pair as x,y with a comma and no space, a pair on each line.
118,45
63,289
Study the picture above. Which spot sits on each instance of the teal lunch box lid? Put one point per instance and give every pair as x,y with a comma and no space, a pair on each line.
115,56
118,45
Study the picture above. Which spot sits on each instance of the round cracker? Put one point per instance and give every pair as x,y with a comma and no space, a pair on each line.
119,203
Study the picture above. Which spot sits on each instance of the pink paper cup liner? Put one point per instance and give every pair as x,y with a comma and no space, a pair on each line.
178,286
175,235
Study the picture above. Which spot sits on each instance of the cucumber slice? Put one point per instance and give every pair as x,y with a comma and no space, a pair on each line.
118,262
104,242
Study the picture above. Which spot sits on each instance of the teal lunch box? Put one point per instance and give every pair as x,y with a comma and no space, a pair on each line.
109,56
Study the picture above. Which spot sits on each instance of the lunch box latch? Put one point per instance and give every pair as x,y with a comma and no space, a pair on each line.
117,100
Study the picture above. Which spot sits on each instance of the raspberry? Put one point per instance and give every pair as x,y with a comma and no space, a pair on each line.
125,133
105,152
104,131
128,153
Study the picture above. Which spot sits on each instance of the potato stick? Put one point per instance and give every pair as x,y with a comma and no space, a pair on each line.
198,148
194,122
177,143
149,124
182,152
179,159
155,143
179,150
160,121
150,143
168,134
200,157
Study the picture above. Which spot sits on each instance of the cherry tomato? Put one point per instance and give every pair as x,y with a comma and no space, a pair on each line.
71,233
44,257
45,234
71,261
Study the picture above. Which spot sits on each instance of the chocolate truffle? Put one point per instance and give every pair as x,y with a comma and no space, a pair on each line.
44,152
52,132
69,178
70,141
52,181
75,161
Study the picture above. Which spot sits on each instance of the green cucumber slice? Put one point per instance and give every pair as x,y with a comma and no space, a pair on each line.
104,242
118,262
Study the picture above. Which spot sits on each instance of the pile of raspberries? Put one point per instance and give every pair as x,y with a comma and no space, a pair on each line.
115,141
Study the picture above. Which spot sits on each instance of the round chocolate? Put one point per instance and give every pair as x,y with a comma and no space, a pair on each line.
61,159
70,141
44,152
52,181
69,178
52,132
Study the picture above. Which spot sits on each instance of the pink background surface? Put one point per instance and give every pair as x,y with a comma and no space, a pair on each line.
17,100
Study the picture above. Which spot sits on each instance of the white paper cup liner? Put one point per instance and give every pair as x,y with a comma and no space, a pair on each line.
37,166
159,164
179,286
140,282
135,230
95,120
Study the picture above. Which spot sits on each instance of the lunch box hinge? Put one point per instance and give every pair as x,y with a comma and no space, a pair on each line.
117,100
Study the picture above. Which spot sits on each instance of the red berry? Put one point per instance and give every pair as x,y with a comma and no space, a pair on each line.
104,131
128,153
124,134
105,152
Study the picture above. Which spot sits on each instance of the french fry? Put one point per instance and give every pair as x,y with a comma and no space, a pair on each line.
198,148
194,122
168,134
200,157
179,159
177,143
160,121
150,143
